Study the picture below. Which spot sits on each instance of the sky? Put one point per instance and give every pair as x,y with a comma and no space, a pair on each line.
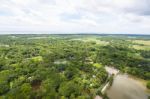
76,16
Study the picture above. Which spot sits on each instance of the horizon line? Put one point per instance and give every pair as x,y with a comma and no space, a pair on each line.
52,32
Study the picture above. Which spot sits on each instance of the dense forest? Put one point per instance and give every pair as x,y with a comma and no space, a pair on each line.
67,66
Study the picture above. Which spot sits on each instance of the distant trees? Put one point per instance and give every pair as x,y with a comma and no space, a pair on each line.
59,67
122,58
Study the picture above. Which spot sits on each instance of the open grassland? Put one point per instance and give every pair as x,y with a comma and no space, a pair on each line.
94,40
141,44
139,47
144,42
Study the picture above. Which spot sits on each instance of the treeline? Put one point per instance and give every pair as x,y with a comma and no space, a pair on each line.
60,67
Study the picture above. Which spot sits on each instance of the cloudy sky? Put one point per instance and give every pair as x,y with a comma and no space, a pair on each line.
76,16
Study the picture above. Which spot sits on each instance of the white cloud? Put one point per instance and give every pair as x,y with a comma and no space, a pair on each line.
110,16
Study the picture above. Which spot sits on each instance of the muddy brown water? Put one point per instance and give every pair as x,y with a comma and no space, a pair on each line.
124,87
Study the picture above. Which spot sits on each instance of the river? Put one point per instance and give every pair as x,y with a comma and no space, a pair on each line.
126,87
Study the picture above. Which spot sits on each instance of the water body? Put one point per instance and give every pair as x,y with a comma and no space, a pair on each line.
125,87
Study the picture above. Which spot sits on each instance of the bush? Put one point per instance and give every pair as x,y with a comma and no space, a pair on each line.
148,85
69,88
4,87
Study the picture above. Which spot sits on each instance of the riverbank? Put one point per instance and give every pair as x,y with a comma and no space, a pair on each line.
112,72
123,84
126,87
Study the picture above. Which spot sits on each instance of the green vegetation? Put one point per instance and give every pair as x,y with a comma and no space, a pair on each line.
148,85
65,66
111,79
